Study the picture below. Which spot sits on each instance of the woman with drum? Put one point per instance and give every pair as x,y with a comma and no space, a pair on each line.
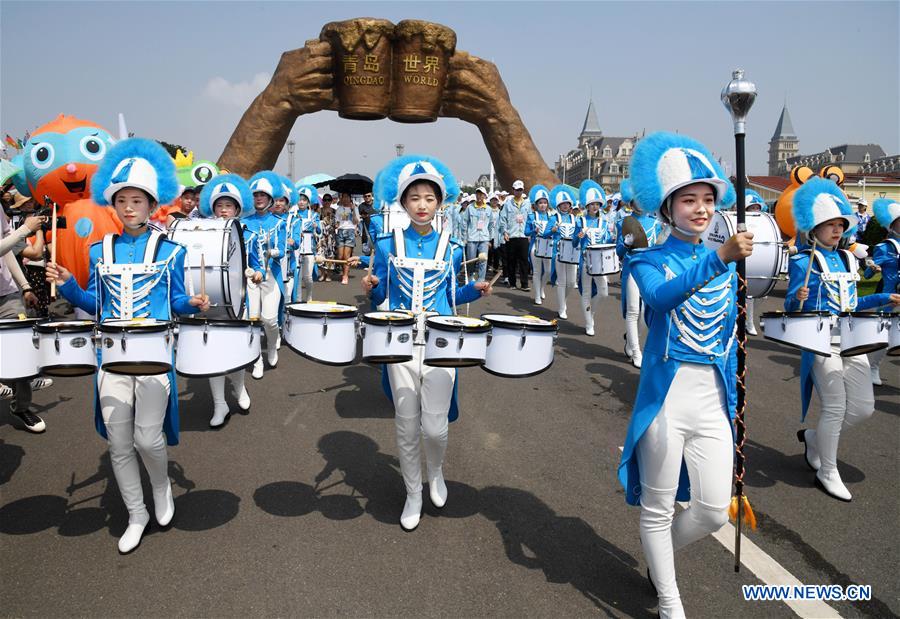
680,443
886,258
304,229
225,197
592,230
754,204
565,272
634,231
266,298
135,276
539,226
416,270
825,220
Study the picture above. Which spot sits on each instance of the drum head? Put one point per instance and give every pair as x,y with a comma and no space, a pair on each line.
235,256
385,318
317,309
137,368
532,323
134,326
65,326
15,323
631,225
458,323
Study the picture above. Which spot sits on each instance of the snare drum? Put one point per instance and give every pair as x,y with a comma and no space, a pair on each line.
387,337
455,341
543,247
894,336
768,263
307,244
213,347
808,331
66,348
220,242
136,347
322,332
568,251
18,352
601,260
519,346
862,332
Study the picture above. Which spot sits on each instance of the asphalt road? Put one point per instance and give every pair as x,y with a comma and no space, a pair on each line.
293,508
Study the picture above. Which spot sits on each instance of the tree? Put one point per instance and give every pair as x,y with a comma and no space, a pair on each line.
171,148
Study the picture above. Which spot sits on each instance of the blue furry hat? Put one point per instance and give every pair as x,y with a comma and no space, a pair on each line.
591,191
819,200
403,171
626,194
751,197
665,162
563,193
269,183
139,163
537,192
288,188
309,191
378,189
230,186
886,211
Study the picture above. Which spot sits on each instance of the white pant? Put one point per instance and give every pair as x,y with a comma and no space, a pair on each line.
844,386
217,386
540,274
422,397
692,425
305,273
264,299
589,303
566,274
133,409
632,315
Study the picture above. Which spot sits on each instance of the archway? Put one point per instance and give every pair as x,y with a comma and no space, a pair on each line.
315,78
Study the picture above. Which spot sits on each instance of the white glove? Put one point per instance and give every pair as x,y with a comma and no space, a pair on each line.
629,240
860,251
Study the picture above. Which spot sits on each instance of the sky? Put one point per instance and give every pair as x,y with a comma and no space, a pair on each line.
184,72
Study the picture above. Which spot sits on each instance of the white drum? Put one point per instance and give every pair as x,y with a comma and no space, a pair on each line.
18,352
455,341
543,247
66,348
322,332
220,242
136,347
519,346
894,336
307,244
215,346
769,259
808,331
601,260
863,332
387,337
568,251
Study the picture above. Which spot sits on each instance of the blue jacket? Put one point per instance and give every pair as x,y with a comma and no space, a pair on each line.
652,228
820,300
509,217
887,256
167,298
469,231
271,236
691,301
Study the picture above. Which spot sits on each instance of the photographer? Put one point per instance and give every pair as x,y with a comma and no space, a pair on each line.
12,281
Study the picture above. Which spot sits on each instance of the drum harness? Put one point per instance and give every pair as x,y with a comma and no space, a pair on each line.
840,288
130,284
420,278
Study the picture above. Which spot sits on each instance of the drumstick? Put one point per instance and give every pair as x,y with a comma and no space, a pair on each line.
53,251
202,275
808,270
482,257
495,278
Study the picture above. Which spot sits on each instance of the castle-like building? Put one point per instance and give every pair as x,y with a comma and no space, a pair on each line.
599,157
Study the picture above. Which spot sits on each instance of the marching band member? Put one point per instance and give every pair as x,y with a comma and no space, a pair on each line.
423,396
266,297
305,222
224,197
652,229
284,208
135,413
566,274
592,229
754,203
681,419
824,216
886,258
475,230
539,227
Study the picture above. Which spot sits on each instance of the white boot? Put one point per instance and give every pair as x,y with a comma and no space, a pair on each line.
163,505
412,511
273,356
243,399
220,413
132,536
239,390
278,343
830,482
876,375
536,283
561,301
257,372
751,323
437,489
588,316
811,449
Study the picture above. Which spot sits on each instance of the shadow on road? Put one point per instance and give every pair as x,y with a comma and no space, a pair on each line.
10,460
358,402
767,466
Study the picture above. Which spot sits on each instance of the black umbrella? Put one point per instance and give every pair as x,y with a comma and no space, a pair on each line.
356,184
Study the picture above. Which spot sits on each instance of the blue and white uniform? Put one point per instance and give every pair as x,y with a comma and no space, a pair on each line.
631,296
592,231
565,274
539,227
887,257
304,228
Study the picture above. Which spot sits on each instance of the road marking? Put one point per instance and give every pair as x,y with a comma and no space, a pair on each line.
290,416
768,570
